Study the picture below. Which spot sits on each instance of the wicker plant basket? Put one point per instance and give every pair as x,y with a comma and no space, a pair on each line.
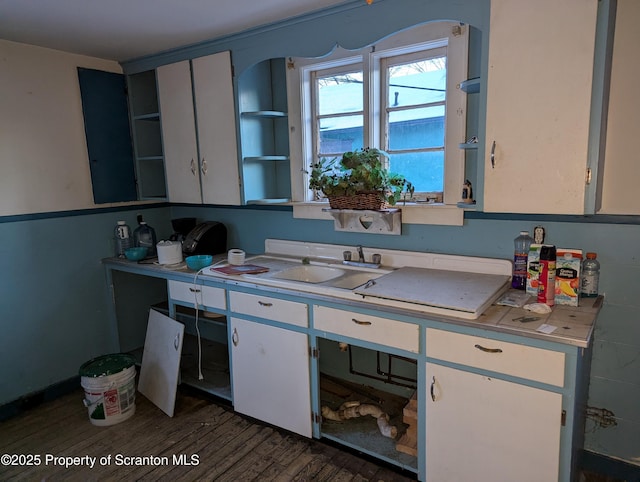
371,200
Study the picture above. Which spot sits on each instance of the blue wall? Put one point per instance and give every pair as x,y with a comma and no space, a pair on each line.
53,294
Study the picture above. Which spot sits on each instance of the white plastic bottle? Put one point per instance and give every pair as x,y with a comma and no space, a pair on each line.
122,235
520,254
590,276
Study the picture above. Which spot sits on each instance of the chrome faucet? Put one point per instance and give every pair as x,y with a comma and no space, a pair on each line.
360,254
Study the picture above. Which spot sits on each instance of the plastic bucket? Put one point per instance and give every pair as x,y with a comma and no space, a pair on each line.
109,384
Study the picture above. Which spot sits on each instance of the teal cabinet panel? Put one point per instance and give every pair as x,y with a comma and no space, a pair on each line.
104,106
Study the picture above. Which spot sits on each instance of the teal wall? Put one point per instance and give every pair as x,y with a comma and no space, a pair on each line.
53,294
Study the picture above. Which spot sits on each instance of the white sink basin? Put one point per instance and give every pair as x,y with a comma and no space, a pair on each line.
310,273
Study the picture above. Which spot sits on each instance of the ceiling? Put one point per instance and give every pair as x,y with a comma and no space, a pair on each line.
126,29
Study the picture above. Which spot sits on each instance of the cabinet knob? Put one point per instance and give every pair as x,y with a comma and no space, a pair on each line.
235,339
193,167
203,167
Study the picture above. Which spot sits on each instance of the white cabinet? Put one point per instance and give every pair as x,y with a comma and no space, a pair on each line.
192,294
538,105
375,329
200,146
270,375
483,428
284,311
479,427
179,133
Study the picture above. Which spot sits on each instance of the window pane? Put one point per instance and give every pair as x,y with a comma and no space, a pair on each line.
340,93
418,82
416,128
340,134
425,170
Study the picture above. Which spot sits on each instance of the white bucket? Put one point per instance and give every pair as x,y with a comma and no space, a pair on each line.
109,388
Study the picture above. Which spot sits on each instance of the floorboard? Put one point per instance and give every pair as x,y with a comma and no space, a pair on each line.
214,442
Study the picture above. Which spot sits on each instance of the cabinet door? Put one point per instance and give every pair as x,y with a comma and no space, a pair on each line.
179,132
213,89
538,105
482,428
270,375
106,125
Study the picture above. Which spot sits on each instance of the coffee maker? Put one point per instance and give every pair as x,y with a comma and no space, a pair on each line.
182,227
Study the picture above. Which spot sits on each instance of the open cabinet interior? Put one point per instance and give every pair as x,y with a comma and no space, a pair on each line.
204,362
358,386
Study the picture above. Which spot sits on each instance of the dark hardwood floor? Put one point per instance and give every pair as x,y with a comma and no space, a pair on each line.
203,441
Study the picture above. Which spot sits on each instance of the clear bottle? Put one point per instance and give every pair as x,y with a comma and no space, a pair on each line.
122,235
520,254
590,276
145,235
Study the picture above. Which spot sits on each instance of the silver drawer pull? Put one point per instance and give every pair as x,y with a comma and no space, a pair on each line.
488,350
194,290
359,322
262,303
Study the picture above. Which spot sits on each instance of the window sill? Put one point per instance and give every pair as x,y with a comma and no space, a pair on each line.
437,214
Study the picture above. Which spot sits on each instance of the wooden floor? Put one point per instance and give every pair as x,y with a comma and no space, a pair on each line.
220,445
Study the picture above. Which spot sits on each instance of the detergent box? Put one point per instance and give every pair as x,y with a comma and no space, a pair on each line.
568,263
533,269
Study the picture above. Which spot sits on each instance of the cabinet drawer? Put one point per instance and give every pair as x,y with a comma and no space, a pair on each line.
384,331
537,364
269,308
206,295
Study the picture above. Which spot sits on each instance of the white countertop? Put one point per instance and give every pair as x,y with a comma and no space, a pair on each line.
565,324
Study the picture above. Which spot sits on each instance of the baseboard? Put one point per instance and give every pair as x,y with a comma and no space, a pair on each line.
610,467
34,399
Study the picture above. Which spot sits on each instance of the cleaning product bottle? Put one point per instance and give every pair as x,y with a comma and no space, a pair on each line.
145,235
547,279
122,235
590,276
521,251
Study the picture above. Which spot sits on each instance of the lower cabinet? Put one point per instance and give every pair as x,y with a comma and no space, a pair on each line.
483,428
270,374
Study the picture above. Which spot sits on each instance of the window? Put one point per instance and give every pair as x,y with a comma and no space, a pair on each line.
400,96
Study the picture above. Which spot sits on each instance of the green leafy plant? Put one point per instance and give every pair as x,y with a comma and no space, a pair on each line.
359,171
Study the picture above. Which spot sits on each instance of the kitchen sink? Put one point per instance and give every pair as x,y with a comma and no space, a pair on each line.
310,273
353,280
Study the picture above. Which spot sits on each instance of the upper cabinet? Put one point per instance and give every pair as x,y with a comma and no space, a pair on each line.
264,132
621,169
539,88
147,136
199,130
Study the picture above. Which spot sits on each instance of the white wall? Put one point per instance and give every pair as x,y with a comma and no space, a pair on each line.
44,164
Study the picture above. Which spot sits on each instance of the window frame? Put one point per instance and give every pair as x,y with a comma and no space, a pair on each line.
452,34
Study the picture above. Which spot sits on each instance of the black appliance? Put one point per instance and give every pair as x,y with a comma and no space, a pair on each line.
209,237
182,227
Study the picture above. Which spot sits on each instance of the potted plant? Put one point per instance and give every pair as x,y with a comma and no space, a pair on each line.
359,180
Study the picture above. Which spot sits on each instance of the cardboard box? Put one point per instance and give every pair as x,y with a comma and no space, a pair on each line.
568,264
533,269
